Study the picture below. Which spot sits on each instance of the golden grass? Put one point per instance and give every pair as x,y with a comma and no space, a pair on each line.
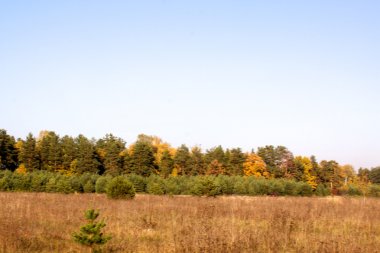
42,222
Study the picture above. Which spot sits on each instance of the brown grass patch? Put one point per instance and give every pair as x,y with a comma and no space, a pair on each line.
42,222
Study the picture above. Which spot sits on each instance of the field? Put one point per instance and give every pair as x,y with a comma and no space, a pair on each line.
42,222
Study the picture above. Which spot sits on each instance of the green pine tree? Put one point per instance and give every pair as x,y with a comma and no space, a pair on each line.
8,152
50,151
216,153
182,160
91,234
196,163
86,156
142,159
166,164
69,152
109,149
29,155
235,163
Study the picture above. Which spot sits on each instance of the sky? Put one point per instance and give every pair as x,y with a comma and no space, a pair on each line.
302,74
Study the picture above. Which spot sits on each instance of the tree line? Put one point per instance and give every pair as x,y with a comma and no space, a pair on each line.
150,156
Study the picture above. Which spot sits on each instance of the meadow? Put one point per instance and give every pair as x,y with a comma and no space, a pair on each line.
44,222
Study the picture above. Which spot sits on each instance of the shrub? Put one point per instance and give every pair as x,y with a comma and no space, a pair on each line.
322,190
101,184
51,185
155,188
89,187
155,185
276,187
290,188
258,186
185,184
354,191
39,181
304,189
139,182
254,188
76,184
205,186
120,188
84,178
2,173
6,181
21,182
171,186
225,183
374,190
87,181
63,185
240,186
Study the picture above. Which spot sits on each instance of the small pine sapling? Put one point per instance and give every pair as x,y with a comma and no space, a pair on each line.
91,234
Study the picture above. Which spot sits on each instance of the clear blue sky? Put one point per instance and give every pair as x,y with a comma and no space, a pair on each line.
303,74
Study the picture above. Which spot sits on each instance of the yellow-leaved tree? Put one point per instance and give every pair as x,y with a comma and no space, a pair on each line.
348,174
21,169
255,166
159,147
307,166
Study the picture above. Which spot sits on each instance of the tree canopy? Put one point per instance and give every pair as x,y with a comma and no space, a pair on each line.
149,155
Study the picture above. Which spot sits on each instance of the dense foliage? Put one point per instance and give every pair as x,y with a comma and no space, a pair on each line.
120,188
209,185
66,164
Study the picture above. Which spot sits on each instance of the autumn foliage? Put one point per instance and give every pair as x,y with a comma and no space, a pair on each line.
149,155
255,166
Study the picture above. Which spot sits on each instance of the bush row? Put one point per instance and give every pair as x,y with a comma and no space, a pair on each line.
42,181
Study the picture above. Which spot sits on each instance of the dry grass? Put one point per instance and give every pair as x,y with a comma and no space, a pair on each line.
41,222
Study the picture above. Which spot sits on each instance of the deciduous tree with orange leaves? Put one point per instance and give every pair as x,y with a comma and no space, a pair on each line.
255,166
